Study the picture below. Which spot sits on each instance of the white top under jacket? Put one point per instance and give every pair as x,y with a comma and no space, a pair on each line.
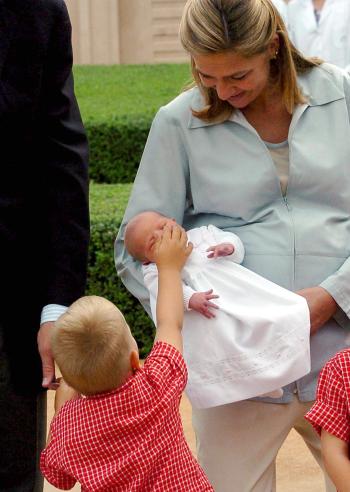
330,38
259,339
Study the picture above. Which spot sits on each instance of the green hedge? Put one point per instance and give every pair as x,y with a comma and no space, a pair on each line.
116,148
118,104
107,205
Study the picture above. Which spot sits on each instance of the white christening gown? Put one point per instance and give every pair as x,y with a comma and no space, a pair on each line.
259,339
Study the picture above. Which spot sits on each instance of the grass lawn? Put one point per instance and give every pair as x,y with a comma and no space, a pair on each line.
106,92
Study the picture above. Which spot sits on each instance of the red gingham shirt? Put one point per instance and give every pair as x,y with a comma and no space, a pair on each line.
130,439
331,410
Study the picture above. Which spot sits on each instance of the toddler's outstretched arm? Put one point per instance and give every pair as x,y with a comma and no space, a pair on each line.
63,394
335,453
170,254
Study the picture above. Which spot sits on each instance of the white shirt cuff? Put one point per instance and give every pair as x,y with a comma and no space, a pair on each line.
52,312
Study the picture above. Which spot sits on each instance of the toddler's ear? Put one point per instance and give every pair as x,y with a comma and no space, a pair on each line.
135,360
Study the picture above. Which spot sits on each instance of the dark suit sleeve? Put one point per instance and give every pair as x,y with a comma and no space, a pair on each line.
64,153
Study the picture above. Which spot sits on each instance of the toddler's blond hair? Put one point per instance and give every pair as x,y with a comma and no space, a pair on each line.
91,343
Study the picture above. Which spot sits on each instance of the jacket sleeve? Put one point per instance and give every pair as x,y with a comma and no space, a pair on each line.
64,156
347,66
160,185
338,284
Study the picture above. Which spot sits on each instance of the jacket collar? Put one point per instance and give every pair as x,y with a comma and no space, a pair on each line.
320,85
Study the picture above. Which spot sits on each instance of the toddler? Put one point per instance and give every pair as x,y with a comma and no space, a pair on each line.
330,415
258,339
124,433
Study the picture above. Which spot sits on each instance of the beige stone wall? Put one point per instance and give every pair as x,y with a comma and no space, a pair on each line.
166,15
126,31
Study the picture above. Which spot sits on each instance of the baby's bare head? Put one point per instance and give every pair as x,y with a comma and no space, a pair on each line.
141,232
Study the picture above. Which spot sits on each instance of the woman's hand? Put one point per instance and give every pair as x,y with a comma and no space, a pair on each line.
321,304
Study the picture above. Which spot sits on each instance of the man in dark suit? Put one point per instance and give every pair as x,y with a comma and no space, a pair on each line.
44,227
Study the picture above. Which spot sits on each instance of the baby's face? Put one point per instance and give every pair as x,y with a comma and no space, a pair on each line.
155,231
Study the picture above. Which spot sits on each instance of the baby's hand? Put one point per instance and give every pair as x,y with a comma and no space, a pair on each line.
222,249
200,301
171,249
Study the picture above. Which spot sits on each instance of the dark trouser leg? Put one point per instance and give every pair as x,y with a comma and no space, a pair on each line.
22,436
41,438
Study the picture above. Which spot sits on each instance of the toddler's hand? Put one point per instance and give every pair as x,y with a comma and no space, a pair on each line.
222,249
171,249
200,301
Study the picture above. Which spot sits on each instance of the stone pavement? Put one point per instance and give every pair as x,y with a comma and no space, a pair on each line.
297,470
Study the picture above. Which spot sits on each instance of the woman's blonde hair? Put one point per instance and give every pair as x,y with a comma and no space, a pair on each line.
91,343
246,27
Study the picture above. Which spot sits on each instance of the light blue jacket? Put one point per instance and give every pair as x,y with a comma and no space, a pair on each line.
206,173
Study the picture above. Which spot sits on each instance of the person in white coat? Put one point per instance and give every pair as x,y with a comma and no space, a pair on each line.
321,28
258,338
281,6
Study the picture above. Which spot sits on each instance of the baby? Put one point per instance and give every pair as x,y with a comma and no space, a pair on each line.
125,433
252,340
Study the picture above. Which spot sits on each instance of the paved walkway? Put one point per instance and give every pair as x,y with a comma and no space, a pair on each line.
297,470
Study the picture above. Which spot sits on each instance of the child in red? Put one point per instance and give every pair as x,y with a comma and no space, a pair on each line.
330,416
125,433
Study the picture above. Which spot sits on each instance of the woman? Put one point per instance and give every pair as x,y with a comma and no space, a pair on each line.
259,146
321,28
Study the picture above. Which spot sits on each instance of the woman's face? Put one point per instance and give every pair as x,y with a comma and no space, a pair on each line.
236,79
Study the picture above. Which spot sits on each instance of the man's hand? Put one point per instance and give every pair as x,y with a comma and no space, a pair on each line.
171,249
200,301
222,249
47,361
321,304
